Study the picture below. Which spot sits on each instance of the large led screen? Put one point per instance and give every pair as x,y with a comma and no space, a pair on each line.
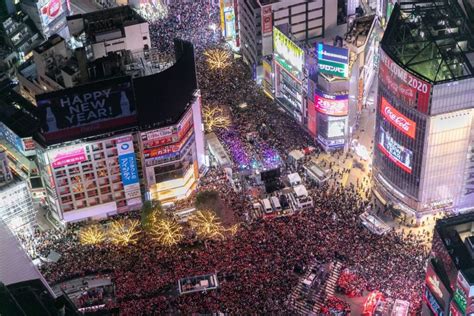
404,86
397,119
401,156
334,105
288,50
333,60
86,110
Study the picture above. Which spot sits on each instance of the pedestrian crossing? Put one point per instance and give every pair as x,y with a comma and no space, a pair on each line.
308,301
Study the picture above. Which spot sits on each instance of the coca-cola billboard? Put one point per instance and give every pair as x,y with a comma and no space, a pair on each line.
411,90
397,119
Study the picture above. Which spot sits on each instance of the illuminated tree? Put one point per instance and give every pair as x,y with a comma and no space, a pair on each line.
92,235
124,232
167,232
218,58
232,230
214,117
206,225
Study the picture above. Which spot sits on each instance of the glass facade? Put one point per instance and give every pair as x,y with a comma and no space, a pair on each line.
407,180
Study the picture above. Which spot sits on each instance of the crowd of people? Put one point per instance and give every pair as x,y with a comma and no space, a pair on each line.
256,267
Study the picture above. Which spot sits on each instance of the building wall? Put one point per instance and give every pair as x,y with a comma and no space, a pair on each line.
86,180
173,156
444,160
16,205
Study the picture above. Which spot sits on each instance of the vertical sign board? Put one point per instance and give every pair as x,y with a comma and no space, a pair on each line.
267,20
128,170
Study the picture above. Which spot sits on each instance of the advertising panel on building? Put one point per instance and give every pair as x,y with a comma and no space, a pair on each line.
25,145
400,155
333,60
411,90
267,20
289,54
397,119
68,156
49,10
87,109
335,105
128,170
436,286
432,303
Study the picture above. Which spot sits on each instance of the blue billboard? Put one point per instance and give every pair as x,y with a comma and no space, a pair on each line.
128,168
11,137
333,60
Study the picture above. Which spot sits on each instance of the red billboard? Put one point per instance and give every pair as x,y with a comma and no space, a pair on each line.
267,20
163,150
334,105
406,87
397,119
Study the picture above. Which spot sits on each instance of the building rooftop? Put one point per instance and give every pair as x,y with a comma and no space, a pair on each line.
18,113
103,22
431,39
453,232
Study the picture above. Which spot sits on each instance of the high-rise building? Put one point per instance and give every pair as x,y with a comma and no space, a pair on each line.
449,280
306,21
118,128
49,16
423,146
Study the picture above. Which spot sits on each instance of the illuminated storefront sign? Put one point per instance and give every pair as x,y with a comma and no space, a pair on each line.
435,308
460,300
408,88
400,155
68,156
128,170
453,310
397,119
330,104
163,150
436,286
333,60
287,50
267,20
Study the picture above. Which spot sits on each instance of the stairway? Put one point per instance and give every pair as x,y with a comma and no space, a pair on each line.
329,288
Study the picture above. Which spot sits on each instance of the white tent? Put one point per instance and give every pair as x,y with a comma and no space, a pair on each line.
294,179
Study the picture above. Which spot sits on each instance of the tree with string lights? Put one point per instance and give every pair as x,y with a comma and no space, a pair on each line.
214,117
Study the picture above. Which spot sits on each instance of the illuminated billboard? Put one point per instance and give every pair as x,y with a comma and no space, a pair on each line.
24,145
128,170
86,110
49,10
292,55
432,303
267,19
411,90
67,156
397,119
172,148
436,286
401,156
333,60
335,105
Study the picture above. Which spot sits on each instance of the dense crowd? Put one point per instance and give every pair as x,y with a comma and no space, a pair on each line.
255,267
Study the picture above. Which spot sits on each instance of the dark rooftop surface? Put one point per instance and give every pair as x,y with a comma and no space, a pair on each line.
449,230
432,39
32,298
18,113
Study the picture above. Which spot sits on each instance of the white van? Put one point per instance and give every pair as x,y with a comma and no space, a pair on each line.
266,206
275,203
